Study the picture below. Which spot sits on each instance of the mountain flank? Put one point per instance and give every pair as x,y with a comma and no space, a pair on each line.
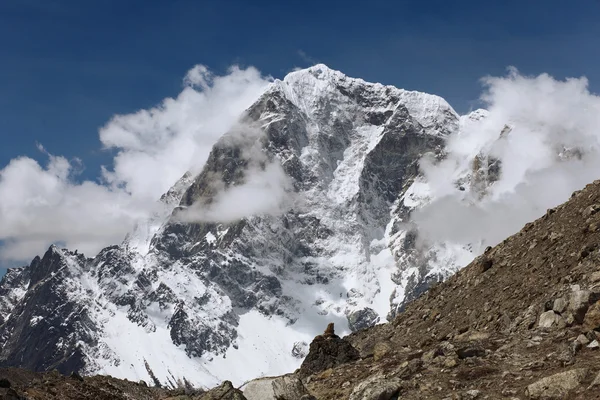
522,321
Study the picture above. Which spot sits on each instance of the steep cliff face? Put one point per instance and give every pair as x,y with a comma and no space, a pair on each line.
299,217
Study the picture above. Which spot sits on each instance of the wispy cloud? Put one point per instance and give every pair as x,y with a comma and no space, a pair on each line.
47,204
550,149
306,58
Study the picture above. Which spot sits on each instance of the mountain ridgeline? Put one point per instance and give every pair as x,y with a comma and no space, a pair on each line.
300,217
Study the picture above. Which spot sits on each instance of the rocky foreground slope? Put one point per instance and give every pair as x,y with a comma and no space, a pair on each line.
522,321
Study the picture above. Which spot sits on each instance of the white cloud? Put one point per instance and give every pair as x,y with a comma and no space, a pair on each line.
44,205
551,150
265,191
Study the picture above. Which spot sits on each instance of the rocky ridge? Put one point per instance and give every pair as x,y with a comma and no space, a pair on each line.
522,321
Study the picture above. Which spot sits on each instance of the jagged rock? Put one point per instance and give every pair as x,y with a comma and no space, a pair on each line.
362,319
593,345
327,351
224,392
557,386
377,387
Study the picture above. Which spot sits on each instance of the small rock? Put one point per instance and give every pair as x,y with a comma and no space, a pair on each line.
593,345
450,362
472,394
550,319
582,339
595,276
377,387
560,305
557,386
596,381
591,210
380,350
468,352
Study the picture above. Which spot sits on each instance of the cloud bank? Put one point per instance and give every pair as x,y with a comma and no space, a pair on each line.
545,134
48,204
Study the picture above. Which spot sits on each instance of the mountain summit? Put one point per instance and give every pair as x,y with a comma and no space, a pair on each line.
300,217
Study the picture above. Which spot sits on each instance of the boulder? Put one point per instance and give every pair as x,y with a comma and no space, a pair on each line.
579,302
287,387
557,386
550,319
591,321
259,389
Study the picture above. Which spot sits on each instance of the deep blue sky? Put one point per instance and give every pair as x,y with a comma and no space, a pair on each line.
66,66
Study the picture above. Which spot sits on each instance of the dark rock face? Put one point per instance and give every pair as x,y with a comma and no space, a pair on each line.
327,352
37,343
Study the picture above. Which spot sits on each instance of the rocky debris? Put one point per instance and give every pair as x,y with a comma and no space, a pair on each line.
524,327
327,351
557,386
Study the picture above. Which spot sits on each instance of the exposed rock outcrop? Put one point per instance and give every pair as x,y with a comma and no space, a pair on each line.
327,351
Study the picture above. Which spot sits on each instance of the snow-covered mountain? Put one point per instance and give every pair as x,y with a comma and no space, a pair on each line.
300,217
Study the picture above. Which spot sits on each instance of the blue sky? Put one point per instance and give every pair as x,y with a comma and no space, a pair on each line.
67,66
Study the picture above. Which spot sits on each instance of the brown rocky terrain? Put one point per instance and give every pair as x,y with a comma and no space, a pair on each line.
522,321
